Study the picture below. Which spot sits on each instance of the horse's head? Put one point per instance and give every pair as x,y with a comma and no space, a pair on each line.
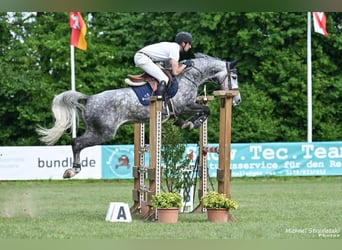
230,80
223,73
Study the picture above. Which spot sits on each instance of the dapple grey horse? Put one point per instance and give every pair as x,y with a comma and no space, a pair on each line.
105,112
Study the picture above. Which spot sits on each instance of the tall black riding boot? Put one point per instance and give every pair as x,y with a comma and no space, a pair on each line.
161,89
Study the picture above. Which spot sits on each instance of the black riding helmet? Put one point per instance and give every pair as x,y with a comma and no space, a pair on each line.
183,36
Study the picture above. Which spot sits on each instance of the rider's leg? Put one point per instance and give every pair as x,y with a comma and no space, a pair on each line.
161,88
155,71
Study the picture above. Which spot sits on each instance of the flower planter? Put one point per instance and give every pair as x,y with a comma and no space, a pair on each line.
217,215
218,206
168,215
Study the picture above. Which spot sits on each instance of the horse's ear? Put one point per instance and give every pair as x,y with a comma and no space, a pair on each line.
233,64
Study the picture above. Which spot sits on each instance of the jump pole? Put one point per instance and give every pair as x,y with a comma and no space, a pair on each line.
223,171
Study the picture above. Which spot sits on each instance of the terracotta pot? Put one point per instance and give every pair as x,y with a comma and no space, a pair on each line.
168,215
217,215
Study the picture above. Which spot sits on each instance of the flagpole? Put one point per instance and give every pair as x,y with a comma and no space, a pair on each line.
72,59
309,81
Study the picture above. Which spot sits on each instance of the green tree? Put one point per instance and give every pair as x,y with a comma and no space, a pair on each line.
271,47
174,161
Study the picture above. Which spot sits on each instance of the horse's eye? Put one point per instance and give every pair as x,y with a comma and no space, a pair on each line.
234,77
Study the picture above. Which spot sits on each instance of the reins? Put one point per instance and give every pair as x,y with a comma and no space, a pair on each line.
230,86
193,67
228,75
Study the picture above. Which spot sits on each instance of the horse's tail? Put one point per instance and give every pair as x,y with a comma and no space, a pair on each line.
63,107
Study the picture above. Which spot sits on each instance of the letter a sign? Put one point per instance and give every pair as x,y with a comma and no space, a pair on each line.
118,212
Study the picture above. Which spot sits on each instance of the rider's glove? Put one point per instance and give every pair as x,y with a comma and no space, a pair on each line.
188,63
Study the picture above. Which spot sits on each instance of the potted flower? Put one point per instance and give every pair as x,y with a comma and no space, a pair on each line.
217,206
167,206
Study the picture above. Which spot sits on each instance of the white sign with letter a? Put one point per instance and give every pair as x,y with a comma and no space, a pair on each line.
118,212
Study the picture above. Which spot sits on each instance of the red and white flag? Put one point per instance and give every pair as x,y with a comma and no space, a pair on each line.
78,31
320,23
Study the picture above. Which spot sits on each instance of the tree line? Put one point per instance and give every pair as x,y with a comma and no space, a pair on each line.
271,48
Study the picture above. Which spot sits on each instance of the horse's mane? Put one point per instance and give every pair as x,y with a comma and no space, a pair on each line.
202,55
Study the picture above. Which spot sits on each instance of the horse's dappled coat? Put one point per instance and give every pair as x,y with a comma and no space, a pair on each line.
105,112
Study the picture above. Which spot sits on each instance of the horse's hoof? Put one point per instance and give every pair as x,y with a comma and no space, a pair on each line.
69,173
188,125
197,124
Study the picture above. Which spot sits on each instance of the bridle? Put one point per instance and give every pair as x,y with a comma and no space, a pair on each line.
193,67
228,75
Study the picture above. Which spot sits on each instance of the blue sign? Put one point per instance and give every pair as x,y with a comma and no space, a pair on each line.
247,159
117,162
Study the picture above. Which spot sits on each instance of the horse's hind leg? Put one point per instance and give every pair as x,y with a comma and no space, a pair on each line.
76,167
88,139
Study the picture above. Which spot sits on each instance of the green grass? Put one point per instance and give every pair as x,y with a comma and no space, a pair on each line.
269,208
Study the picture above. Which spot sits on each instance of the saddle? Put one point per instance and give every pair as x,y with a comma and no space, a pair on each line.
145,85
139,80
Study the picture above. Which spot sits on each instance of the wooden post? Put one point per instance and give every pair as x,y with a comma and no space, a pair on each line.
203,161
154,173
139,161
223,172
142,195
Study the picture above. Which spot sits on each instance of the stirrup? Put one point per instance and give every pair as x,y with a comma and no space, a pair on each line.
166,114
165,109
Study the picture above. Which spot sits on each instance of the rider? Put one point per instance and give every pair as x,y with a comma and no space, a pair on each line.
167,52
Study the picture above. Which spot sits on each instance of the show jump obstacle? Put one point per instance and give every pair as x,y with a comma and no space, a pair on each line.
142,194
223,171
203,161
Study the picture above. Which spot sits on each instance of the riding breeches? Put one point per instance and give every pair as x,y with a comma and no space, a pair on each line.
146,64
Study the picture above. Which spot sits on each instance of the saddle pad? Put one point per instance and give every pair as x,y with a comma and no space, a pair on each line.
144,92
172,91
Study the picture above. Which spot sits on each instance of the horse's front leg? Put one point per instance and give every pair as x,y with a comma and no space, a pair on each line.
201,114
198,119
76,167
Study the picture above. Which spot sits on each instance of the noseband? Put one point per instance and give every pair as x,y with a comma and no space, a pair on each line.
229,72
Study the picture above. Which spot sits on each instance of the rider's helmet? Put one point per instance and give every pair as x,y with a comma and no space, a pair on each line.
183,36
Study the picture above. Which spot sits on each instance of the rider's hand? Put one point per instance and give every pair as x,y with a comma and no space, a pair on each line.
188,63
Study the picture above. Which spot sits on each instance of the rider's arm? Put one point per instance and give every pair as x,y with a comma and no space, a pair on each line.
176,67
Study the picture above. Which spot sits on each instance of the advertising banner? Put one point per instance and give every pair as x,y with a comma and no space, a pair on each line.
247,160
282,159
48,162
116,161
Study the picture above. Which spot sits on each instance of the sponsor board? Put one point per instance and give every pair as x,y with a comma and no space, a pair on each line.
116,161
47,162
